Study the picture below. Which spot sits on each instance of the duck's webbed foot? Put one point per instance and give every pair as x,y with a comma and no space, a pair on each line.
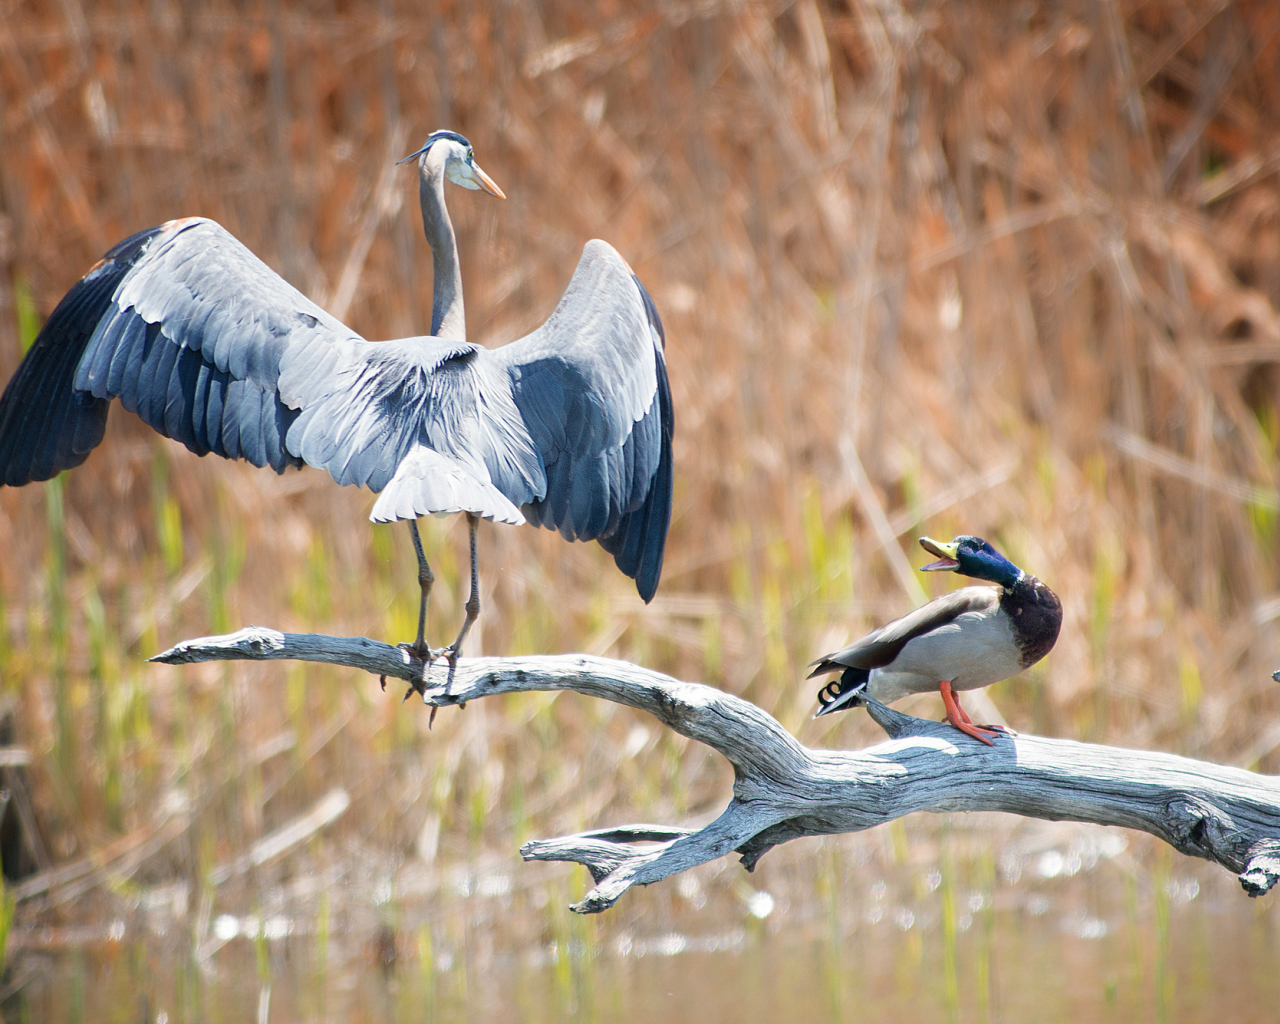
957,717
987,728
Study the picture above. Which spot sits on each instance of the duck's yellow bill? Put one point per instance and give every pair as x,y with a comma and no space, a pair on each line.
946,555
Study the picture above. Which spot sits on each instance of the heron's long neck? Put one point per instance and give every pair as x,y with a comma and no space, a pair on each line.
448,320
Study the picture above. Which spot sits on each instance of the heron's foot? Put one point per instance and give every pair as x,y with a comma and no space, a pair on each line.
451,654
416,653
419,651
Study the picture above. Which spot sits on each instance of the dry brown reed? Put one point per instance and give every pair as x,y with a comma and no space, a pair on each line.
964,267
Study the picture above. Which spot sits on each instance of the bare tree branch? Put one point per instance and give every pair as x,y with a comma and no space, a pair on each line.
783,790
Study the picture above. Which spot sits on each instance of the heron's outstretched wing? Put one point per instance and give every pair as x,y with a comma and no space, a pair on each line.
188,328
591,386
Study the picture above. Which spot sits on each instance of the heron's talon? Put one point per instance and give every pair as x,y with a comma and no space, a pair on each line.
419,653
418,686
449,654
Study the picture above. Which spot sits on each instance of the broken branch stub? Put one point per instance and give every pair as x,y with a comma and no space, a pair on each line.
783,790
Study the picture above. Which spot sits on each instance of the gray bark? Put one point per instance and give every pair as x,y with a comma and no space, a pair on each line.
783,790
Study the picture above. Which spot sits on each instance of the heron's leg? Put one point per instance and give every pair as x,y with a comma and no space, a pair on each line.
473,602
419,649
957,717
425,580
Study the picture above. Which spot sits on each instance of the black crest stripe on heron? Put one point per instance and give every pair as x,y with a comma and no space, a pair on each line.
568,427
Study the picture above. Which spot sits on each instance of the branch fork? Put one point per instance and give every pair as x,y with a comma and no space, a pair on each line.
784,790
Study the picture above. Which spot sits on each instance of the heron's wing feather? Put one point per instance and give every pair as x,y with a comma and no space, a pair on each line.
879,648
424,420
188,328
591,386
45,425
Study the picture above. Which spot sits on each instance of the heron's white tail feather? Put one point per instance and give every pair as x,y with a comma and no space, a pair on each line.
427,482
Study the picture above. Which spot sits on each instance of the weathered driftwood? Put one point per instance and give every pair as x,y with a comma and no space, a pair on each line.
783,790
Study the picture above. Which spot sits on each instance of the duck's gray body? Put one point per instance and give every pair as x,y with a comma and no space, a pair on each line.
970,638
959,637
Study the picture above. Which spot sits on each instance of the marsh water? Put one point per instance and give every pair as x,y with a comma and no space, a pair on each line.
963,918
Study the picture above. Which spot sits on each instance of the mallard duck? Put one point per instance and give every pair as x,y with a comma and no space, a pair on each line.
969,638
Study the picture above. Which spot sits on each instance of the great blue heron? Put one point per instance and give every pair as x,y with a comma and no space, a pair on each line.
568,427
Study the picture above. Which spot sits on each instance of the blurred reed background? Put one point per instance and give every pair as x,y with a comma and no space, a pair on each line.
1008,269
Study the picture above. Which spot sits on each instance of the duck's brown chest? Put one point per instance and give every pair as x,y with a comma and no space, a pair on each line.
1036,615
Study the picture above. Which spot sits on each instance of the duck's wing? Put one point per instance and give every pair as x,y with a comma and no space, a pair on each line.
188,329
879,648
591,387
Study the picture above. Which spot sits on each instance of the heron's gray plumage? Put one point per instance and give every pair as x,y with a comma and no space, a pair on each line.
569,427
593,393
448,316
192,340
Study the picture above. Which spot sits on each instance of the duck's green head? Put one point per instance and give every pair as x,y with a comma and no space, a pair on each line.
971,556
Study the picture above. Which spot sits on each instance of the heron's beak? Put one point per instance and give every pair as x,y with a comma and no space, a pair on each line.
486,182
946,555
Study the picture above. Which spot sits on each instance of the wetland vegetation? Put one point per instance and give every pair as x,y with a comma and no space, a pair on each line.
936,267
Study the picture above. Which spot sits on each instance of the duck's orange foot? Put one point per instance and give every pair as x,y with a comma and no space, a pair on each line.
956,716
986,736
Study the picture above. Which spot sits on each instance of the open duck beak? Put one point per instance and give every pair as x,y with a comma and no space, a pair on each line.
946,555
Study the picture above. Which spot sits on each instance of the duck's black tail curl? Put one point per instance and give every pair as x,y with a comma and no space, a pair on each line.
840,694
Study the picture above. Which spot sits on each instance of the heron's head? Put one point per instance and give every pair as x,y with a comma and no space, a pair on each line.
453,151
971,556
